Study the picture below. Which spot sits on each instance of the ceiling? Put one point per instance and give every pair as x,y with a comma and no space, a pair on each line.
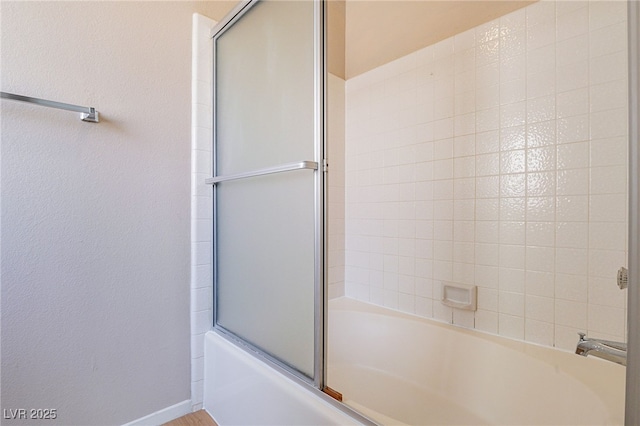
377,32
364,34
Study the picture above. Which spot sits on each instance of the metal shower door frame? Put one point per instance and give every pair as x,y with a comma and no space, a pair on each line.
632,394
319,170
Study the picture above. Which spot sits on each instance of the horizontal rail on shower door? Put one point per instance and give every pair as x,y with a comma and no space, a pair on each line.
87,113
311,165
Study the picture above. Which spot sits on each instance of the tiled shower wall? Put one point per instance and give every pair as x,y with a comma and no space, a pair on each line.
497,158
201,201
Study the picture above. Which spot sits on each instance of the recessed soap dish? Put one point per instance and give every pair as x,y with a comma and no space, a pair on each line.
460,296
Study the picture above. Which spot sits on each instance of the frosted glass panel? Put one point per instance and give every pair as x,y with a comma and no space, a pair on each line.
265,233
265,88
265,244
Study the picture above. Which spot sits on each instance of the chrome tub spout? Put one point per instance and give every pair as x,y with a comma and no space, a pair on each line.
605,349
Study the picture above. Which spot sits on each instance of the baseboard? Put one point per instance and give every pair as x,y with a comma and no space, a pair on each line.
163,416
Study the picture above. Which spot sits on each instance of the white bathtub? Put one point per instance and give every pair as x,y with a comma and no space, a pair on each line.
402,369
240,389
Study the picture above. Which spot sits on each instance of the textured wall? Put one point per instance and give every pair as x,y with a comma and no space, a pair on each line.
95,217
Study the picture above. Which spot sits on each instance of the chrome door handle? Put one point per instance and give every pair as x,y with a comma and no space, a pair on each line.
311,165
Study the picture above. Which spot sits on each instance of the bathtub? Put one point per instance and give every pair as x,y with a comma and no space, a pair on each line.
241,389
401,369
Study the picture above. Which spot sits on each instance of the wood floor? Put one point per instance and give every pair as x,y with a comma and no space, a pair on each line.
199,418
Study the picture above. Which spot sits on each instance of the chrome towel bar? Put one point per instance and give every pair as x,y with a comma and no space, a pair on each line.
88,114
312,165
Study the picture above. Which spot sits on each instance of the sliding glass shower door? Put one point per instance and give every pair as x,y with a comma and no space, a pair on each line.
268,181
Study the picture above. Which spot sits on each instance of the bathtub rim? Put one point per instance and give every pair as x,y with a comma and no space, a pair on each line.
515,344
287,374
565,361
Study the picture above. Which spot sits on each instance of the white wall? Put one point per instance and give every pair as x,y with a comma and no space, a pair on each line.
96,217
496,158
336,159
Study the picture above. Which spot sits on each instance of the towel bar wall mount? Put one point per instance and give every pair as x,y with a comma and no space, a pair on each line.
88,114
